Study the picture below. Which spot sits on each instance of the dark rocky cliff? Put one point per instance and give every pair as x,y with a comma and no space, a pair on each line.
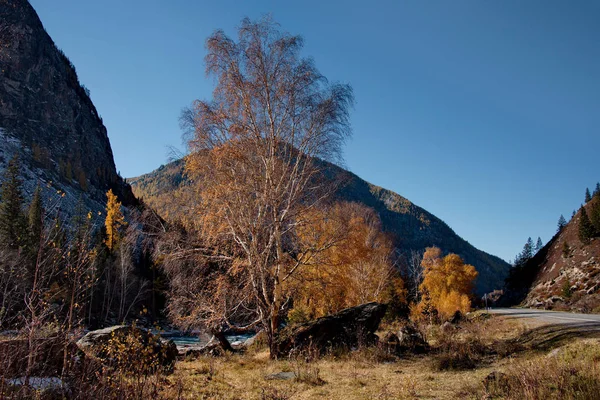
47,117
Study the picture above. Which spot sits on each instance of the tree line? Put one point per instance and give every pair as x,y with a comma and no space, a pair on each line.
76,272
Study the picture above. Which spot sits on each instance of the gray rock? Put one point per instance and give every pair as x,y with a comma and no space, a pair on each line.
283,376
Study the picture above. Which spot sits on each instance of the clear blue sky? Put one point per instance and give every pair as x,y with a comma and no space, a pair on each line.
485,113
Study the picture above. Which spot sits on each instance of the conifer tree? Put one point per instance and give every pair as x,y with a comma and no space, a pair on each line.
80,220
114,220
562,222
539,244
12,220
595,216
34,218
586,229
597,190
528,249
566,250
57,235
588,196
525,254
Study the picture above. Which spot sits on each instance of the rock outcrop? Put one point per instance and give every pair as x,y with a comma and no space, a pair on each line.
129,347
563,275
48,118
348,328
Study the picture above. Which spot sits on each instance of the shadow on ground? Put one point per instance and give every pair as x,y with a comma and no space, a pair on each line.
548,337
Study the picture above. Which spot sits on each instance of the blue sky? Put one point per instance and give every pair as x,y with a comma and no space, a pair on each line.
485,113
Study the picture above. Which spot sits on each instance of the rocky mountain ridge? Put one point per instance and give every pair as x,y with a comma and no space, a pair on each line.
48,119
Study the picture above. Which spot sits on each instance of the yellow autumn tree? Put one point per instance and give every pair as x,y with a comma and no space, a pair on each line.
447,285
114,220
354,268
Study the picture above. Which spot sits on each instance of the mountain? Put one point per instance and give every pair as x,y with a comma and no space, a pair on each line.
565,274
411,227
48,119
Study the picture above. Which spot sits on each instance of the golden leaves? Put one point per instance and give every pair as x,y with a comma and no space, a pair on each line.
448,283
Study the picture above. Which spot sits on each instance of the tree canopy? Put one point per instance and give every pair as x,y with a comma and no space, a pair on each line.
254,150
447,284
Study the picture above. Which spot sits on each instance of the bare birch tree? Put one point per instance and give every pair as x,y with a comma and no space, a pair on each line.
253,153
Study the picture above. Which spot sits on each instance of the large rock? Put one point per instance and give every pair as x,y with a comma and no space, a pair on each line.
348,328
129,347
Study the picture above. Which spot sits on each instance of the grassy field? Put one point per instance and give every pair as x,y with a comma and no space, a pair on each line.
456,368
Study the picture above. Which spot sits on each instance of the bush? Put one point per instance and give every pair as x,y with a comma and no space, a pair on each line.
460,355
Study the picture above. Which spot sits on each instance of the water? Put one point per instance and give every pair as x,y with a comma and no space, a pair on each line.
198,341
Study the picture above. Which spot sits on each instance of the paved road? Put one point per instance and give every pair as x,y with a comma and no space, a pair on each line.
550,317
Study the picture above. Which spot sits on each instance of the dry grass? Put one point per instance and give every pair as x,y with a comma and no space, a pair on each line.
246,378
570,372
370,374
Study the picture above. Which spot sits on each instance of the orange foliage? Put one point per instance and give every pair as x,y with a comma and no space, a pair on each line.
352,269
114,220
447,285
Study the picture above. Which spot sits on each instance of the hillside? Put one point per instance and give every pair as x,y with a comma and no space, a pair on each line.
47,117
565,274
410,226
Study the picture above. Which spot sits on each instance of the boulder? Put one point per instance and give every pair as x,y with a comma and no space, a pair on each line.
410,340
129,347
281,376
210,349
348,328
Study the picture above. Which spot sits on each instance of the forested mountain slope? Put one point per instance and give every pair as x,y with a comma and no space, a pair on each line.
411,226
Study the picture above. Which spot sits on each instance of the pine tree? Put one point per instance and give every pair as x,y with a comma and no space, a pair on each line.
528,249
81,220
13,230
34,218
595,216
57,235
114,220
586,229
597,190
539,244
588,196
566,250
562,222
525,254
